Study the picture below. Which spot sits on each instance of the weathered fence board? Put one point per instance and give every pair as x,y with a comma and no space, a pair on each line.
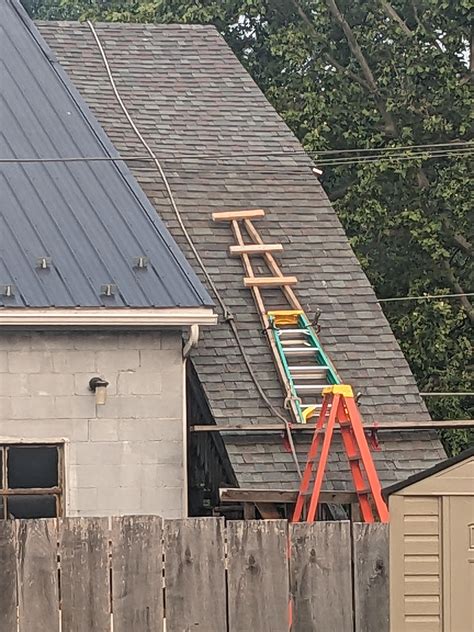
320,572
137,575
7,576
134,573
195,575
38,598
85,590
258,586
371,577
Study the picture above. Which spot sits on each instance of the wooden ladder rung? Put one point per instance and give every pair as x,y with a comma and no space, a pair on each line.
255,249
229,216
269,281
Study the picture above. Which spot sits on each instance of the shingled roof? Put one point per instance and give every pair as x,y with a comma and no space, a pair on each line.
224,147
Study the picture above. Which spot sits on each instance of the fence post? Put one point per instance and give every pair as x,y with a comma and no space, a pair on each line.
371,578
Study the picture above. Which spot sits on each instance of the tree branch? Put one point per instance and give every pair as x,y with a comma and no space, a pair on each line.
393,15
454,283
328,56
390,125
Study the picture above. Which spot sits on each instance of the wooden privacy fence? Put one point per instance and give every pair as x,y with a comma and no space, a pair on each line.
142,574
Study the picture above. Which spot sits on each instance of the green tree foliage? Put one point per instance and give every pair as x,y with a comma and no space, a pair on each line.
365,74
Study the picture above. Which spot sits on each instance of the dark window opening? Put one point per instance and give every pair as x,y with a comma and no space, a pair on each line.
30,481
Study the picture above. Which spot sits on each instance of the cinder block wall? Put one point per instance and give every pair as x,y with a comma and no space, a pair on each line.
124,457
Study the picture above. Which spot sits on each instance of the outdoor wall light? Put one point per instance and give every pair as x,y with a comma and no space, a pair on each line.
99,386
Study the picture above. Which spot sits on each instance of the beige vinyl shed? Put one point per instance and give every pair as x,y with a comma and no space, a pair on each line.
432,548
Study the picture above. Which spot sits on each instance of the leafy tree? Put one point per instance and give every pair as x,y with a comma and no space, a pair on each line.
366,74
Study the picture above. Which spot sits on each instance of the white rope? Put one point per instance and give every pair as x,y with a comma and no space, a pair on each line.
228,316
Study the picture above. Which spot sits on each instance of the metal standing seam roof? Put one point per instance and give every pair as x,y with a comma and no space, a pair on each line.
90,221
224,147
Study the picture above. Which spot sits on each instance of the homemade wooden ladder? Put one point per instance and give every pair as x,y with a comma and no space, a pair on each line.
305,371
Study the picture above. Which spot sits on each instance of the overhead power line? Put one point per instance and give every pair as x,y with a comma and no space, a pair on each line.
435,394
420,150
423,297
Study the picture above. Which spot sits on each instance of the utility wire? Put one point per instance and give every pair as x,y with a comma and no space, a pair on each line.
434,394
228,316
423,297
268,154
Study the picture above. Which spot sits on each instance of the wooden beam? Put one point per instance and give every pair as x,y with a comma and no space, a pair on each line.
229,216
254,249
387,426
269,281
280,496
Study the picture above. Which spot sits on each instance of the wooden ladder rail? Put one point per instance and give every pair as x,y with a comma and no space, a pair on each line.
257,295
255,283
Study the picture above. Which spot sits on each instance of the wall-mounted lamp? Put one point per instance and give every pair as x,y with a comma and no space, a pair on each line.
99,386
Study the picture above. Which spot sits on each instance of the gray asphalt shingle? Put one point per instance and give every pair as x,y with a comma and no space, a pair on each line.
224,147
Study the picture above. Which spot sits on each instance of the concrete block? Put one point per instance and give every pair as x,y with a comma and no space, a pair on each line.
103,429
50,341
82,500
68,361
139,383
119,500
3,361
117,360
172,340
14,341
12,384
154,360
158,452
140,340
51,384
103,452
150,429
33,408
141,407
164,501
45,429
5,407
75,407
95,341
29,362
159,475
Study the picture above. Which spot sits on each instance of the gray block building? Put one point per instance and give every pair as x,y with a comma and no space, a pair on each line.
93,287
98,279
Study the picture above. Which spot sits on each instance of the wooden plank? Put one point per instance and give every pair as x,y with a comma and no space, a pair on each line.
269,281
195,575
272,264
137,574
229,216
254,249
38,595
85,585
389,426
241,494
371,577
257,576
7,576
320,575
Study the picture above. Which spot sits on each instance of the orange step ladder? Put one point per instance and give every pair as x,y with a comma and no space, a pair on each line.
340,408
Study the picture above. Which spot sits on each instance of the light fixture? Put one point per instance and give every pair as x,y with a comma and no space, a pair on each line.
99,386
